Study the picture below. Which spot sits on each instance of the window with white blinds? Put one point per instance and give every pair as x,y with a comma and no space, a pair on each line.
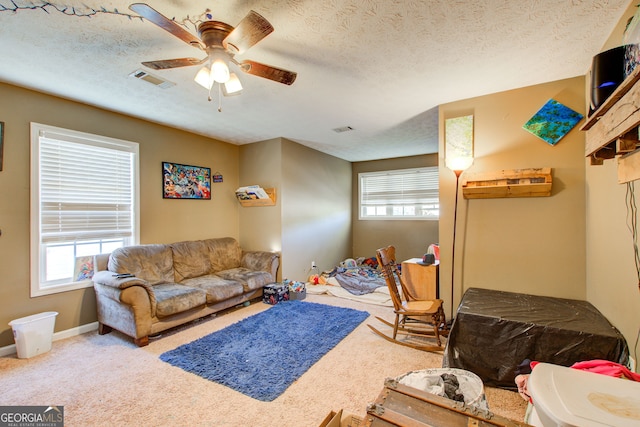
399,194
84,200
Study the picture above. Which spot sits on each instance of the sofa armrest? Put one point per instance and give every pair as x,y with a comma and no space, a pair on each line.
107,278
101,262
261,261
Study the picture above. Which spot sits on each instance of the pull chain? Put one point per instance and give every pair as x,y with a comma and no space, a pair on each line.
219,97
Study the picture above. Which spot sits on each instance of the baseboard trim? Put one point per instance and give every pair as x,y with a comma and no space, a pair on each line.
79,330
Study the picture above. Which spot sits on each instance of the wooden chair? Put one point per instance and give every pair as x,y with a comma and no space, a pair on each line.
417,319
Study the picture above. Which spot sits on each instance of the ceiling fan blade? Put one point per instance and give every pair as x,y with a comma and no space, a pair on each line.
173,63
253,28
268,72
155,17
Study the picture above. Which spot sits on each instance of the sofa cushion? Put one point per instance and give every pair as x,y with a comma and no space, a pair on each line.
190,259
217,288
153,263
224,253
251,280
172,298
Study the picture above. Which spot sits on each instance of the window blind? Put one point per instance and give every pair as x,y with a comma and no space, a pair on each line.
416,188
86,189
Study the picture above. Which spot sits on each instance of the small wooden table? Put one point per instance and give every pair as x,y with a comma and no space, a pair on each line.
422,279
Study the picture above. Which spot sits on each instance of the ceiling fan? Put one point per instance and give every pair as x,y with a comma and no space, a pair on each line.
221,42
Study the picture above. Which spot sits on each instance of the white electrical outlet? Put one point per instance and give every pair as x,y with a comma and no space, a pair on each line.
313,264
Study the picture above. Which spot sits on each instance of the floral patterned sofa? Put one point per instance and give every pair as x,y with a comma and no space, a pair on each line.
143,290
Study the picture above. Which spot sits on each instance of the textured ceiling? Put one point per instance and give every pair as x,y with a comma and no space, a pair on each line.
379,66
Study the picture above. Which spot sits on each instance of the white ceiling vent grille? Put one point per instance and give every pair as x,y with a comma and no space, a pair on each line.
155,80
343,129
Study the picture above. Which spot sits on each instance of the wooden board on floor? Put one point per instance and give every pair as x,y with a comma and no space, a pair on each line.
404,406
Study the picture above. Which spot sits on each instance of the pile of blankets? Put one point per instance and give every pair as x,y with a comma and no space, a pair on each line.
358,277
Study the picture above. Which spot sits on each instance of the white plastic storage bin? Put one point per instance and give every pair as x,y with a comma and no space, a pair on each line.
567,397
33,334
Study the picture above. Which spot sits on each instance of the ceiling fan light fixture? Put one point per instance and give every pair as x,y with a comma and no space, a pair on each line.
204,78
232,86
221,42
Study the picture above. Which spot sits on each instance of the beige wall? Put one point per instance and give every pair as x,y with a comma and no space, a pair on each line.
411,238
612,279
260,164
315,188
316,220
530,245
162,220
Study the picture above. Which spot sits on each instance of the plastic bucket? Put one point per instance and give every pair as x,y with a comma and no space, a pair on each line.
33,334
430,380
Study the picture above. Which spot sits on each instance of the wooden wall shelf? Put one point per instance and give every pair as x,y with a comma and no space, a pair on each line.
271,201
612,130
534,182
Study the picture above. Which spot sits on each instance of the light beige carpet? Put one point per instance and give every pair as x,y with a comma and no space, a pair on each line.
107,381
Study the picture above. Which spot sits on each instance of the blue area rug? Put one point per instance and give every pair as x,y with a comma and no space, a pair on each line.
262,355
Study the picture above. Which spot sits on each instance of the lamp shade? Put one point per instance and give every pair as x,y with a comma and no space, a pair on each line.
459,163
204,78
232,86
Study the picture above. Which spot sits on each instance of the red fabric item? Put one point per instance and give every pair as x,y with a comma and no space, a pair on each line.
604,367
435,249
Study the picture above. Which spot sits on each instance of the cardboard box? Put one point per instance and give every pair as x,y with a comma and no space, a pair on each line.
273,293
342,419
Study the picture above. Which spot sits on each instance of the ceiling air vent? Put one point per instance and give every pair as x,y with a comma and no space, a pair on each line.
155,80
343,129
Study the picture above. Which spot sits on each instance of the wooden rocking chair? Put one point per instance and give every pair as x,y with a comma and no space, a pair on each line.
419,320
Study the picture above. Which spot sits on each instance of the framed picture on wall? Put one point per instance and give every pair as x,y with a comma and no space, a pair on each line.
552,122
459,137
185,181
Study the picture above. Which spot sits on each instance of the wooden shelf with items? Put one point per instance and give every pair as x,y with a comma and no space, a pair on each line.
612,130
271,201
534,182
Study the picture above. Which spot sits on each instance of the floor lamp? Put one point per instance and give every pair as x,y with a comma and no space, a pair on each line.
457,165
